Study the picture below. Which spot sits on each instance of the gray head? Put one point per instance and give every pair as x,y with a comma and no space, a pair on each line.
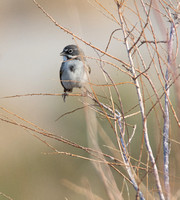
72,52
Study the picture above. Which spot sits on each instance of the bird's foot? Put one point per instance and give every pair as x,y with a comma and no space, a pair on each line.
64,96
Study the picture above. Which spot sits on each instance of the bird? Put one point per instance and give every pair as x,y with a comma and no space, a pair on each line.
73,71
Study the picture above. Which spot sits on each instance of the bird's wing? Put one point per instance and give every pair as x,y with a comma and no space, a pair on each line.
61,72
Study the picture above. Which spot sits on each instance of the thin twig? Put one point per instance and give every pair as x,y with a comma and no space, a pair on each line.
141,104
76,36
111,38
166,116
152,42
6,196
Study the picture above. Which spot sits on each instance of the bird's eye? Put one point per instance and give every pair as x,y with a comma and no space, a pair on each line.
70,50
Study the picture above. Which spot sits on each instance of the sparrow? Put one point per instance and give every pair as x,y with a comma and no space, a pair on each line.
74,70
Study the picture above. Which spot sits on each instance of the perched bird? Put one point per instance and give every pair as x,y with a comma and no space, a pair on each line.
74,71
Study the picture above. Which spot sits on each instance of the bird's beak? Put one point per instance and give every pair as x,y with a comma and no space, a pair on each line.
62,53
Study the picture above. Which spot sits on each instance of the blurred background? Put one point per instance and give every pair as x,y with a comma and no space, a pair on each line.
29,63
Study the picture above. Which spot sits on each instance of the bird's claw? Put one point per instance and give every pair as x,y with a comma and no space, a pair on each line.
64,96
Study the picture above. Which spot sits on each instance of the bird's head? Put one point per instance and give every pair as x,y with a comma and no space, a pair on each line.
72,52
